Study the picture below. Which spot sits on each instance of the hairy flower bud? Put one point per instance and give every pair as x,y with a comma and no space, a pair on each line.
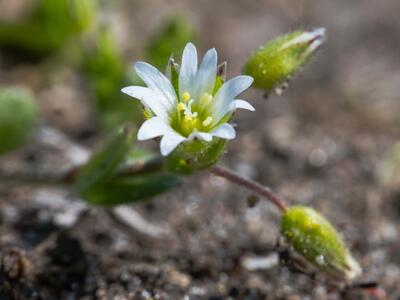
272,64
312,236
18,118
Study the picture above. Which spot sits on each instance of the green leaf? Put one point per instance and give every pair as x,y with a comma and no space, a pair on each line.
18,118
313,237
130,189
139,155
105,162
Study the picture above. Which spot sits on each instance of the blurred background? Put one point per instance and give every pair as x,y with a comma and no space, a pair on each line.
330,141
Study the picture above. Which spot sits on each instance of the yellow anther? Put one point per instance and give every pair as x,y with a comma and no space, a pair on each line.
206,98
188,118
207,121
186,96
181,106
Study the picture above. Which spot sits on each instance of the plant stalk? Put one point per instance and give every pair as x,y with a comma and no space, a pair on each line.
251,185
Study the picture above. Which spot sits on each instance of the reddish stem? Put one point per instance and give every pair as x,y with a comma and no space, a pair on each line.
251,185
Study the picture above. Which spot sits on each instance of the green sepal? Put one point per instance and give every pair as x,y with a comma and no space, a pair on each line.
275,62
18,118
130,189
195,155
218,83
173,74
313,237
105,162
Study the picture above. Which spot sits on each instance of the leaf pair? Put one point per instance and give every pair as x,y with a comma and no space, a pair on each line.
105,181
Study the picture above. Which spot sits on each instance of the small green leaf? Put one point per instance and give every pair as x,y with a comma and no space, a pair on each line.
18,118
130,189
104,163
139,155
313,237
275,62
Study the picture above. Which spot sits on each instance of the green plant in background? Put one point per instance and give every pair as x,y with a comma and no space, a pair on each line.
18,118
106,72
175,33
51,24
275,62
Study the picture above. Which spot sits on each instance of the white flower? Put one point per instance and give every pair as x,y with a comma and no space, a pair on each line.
200,110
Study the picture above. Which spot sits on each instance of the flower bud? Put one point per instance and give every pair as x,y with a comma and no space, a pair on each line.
312,236
18,118
272,64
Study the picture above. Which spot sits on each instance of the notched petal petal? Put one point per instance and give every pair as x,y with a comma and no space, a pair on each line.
169,142
243,104
201,135
152,128
224,131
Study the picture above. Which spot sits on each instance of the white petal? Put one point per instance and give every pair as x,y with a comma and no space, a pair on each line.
169,142
205,78
152,128
224,131
242,104
201,135
228,92
151,99
156,81
188,69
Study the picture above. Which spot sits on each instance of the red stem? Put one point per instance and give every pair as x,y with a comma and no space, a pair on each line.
251,185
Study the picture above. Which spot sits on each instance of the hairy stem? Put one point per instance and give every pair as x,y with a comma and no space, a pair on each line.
251,185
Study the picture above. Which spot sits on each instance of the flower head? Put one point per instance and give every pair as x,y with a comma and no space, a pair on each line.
194,103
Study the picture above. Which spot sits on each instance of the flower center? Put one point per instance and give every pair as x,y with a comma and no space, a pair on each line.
191,115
